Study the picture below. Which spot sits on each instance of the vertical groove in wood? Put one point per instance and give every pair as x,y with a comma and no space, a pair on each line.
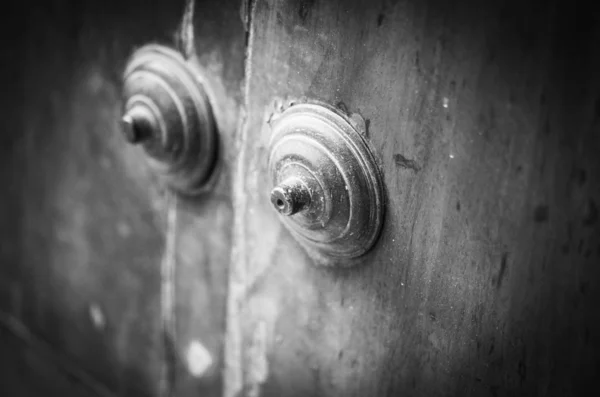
234,346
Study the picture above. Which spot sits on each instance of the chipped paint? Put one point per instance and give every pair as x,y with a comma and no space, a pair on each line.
97,316
185,37
198,358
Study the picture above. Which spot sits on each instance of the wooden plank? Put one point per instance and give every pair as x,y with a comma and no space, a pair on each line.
484,117
82,217
97,258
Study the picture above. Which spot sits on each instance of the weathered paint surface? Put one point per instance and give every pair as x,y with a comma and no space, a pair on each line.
484,116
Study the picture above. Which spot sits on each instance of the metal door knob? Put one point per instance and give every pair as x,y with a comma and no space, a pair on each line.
168,113
327,186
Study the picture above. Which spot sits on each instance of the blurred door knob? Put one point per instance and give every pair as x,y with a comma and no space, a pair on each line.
167,112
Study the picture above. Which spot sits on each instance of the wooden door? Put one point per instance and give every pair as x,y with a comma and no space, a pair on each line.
484,118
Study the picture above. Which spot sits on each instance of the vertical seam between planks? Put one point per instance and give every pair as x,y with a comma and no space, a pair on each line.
233,371
185,44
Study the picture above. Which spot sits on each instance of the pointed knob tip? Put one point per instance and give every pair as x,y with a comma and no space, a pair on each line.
137,126
290,197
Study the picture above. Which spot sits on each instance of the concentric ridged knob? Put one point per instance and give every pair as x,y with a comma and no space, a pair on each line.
168,113
327,186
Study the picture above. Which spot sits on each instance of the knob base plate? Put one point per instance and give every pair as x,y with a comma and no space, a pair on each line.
325,149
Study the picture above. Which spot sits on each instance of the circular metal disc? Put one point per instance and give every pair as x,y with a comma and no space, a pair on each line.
320,147
164,94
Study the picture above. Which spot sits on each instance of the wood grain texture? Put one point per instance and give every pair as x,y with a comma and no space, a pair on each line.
484,116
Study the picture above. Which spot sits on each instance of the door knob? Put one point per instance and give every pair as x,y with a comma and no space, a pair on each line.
327,186
168,113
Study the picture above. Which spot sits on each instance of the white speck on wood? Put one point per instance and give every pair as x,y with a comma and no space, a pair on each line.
97,316
198,359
